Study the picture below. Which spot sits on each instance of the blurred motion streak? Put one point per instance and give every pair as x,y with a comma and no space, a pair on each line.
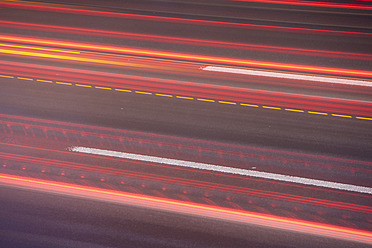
68,9
188,208
165,39
255,113
171,55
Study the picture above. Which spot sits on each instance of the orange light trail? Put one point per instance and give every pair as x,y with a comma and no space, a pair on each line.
179,40
38,48
188,208
170,55
74,58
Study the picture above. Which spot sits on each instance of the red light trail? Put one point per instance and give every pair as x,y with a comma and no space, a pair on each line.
171,39
230,112
68,9
188,208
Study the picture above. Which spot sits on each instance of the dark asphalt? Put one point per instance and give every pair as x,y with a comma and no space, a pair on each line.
34,219
348,138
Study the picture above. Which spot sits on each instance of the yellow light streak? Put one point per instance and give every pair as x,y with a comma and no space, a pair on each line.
38,48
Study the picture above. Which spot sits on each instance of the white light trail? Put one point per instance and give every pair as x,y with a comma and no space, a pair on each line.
223,169
289,76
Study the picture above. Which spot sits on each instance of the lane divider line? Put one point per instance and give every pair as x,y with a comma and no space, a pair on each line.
343,116
205,100
270,107
63,83
224,102
122,90
364,118
296,76
23,78
224,169
317,113
198,99
44,81
164,95
185,97
294,110
143,92
102,88
5,76
249,105
83,85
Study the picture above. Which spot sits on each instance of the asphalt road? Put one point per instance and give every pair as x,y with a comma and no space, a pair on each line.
186,36
35,219
61,221
171,29
233,124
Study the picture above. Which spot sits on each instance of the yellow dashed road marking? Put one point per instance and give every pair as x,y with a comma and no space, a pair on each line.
165,95
44,81
224,102
205,100
364,118
249,105
295,110
185,97
191,98
123,90
317,113
142,92
5,76
269,107
83,85
344,116
23,78
102,88
63,83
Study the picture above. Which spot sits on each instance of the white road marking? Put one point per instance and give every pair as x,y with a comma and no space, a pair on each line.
289,76
223,169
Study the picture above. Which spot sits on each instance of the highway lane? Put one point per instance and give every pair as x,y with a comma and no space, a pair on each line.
80,106
324,41
179,73
145,113
344,56
48,159
201,39
113,33
192,186
52,222
99,225
180,117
